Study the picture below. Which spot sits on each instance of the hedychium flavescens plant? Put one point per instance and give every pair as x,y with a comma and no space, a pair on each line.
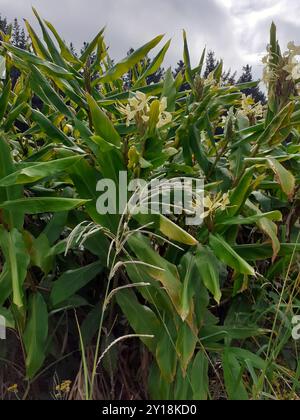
212,303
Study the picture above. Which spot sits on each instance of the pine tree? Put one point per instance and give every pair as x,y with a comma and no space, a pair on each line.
181,69
211,63
255,92
4,26
73,49
228,78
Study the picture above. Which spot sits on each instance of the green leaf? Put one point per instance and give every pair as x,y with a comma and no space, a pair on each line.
189,276
233,376
199,377
91,47
285,178
42,205
48,67
154,65
102,124
38,171
72,281
240,194
169,90
166,353
185,345
17,260
38,46
266,225
228,256
55,227
271,134
162,271
187,62
64,50
166,227
239,220
54,133
57,58
40,253
35,335
208,270
141,318
52,96
129,62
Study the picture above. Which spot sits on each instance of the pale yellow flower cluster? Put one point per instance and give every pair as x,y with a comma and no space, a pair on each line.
268,71
214,203
249,107
210,80
291,65
138,108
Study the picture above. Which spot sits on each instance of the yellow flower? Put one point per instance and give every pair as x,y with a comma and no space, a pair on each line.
138,109
212,204
13,389
293,49
138,105
126,110
139,102
64,387
165,117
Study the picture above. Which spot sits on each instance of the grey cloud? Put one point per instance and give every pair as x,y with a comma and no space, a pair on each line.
130,23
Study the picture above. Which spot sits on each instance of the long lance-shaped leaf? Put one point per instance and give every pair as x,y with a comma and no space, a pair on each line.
38,46
38,171
51,68
14,114
65,51
51,94
54,133
91,47
228,256
38,205
17,260
102,124
166,227
165,272
278,122
141,318
129,62
154,65
285,178
35,335
187,62
57,58
72,281
198,69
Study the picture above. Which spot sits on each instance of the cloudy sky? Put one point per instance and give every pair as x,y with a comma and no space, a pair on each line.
236,29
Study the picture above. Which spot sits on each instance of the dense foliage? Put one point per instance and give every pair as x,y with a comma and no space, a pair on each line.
135,306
